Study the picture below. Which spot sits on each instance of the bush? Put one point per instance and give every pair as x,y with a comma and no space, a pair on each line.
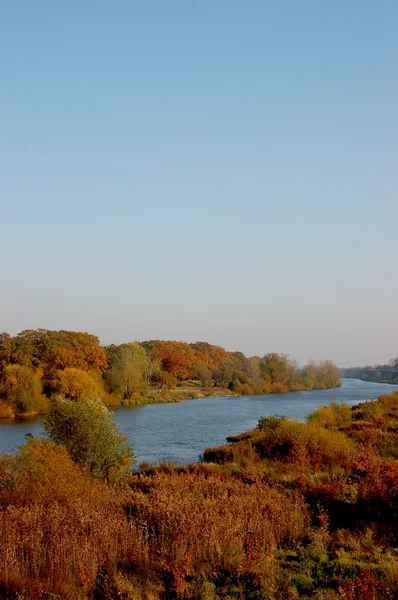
271,422
284,439
370,411
332,415
87,430
42,472
278,388
219,455
247,390
57,526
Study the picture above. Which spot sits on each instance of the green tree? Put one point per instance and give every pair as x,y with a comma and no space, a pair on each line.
278,367
126,375
163,379
87,430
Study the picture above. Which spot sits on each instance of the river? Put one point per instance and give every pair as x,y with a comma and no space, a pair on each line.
180,432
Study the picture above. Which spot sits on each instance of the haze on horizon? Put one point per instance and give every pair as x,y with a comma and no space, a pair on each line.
218,171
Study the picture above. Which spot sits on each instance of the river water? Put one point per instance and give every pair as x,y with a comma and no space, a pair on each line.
180,432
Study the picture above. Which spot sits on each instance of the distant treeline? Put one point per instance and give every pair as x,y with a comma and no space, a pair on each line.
377,373
37,364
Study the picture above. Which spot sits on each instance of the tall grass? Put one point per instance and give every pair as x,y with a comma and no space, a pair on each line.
287,511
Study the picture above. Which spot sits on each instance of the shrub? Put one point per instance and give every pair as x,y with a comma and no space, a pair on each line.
278,388
271,422
370,411
219,455
57,526
247,390
332,415
87,430
42,472
302,443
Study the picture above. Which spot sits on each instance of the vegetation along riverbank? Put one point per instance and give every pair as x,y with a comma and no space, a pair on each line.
286,511
37,364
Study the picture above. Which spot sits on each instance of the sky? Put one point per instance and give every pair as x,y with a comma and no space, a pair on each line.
214,170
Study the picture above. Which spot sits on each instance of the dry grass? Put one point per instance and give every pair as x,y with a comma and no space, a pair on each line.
290,511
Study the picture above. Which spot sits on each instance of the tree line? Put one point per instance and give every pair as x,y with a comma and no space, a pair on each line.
387,373
37,364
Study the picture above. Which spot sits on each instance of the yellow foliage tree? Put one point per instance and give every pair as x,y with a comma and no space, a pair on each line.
22,386
76,384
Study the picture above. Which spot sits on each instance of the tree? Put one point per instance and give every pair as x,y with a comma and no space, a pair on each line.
128,362
324,374
254,374
22,386
212,356
87,430
76,384
177,358
230,374
329,374
163,379
204,373
55,350
151,366
393,363
6,350
278,367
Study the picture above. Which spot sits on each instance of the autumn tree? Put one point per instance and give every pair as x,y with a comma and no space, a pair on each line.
212,356
58,350
177,358
309,375
204,373
254,374
76,384
329,374
324,374
151,366
6,350
22,386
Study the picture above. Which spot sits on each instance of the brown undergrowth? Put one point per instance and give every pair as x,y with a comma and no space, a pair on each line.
286,511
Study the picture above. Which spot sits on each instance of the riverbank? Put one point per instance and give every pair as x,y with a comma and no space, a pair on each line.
187,390
36,365
288,511
178,432
191,390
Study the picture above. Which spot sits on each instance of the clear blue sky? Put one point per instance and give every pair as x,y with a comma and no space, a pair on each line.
211,170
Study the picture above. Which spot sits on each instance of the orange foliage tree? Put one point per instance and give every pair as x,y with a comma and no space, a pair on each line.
177,358
59,350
